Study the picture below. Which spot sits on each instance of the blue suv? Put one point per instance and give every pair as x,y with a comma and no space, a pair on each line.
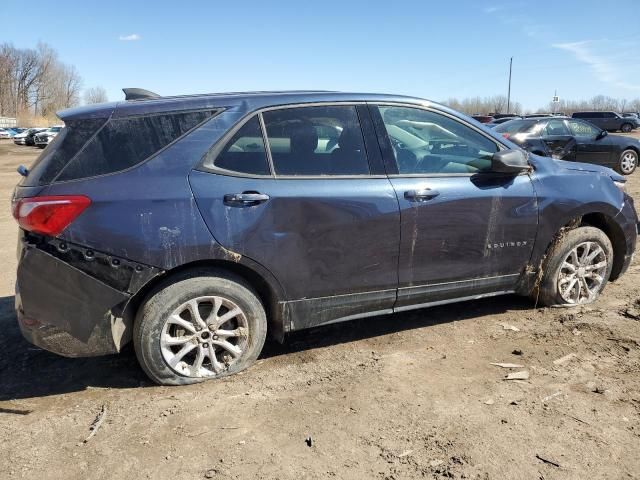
195,225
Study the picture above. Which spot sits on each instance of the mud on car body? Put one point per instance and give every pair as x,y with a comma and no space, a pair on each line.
193,226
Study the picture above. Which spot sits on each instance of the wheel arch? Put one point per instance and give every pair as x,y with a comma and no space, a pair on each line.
267,289
530,278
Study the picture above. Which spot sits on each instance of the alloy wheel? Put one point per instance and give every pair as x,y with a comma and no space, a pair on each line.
628,161
204,336
582,273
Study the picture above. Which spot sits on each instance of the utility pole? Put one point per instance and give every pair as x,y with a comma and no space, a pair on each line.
509,90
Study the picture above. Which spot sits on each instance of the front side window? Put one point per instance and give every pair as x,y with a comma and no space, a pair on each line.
316,141
426,142
245,152
556,128
582,129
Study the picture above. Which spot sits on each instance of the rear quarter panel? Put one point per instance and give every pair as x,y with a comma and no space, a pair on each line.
148,213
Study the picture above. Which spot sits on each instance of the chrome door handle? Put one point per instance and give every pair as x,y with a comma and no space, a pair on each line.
245,199
421,195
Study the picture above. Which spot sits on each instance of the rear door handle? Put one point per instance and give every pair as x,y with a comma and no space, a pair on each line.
421,195
245,199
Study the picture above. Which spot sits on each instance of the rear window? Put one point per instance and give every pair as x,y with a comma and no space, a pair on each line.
515,126
93,147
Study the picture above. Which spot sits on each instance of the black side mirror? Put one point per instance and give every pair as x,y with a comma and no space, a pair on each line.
509,161
602,134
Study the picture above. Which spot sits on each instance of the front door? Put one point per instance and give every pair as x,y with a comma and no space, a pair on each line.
591,146
465,231
313,207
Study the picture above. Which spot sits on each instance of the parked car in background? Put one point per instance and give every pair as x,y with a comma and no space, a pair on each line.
195,225
499,116
501,120
610,121
43,138
575,140
483,118
538,115
30,138
26,136
631,115
7,133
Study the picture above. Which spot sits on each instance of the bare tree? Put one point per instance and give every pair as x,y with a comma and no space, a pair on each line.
35,82
95,95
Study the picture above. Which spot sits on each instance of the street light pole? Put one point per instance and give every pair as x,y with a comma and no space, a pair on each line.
509,90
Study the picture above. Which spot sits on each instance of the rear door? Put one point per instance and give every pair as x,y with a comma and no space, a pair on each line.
590,147
558,138
302,191
610,121
465,230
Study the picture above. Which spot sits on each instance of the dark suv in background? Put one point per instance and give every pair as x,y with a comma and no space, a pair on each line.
610,121
195,225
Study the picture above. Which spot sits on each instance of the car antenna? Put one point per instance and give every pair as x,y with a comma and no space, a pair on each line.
22,170
138,94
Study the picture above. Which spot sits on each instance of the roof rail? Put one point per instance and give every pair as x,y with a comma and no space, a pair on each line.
138,94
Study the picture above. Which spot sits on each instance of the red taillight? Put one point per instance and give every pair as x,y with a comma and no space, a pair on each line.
49,215
506,135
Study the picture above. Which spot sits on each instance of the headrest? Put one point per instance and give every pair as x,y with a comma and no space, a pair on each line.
304,138
350,139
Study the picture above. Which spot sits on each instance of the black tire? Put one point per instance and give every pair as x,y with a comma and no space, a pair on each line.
548,292
161,303
628,162
626,127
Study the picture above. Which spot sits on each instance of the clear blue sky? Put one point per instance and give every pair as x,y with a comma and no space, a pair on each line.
429,49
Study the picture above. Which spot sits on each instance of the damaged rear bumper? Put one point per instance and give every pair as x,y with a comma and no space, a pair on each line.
66,310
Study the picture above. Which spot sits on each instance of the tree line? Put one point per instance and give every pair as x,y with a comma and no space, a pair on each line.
35,83
498,104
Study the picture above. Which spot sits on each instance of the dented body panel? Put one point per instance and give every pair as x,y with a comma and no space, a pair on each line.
567,191
477,227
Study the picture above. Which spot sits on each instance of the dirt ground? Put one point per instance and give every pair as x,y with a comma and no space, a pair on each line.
411,395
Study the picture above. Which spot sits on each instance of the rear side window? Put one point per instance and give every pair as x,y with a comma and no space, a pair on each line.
125,142
245,152
516,126
556,128
63,148
316,141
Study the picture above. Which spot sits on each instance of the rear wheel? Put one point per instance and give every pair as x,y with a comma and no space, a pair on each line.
198,329
577,268
626,128
628,162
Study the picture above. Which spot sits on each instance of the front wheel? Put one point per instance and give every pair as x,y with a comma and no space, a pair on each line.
626,128
577,268
628,162
199,328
